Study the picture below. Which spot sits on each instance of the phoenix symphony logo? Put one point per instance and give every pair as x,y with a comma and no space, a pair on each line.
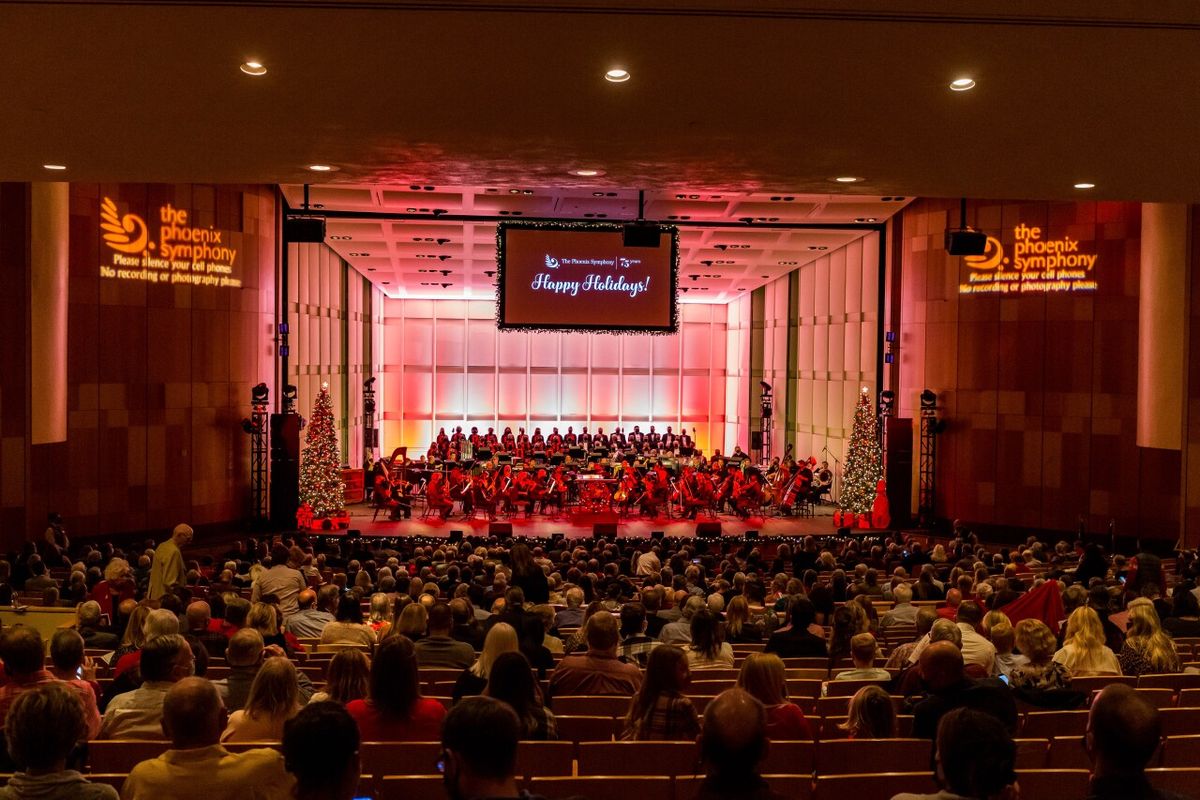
1037,265
181,253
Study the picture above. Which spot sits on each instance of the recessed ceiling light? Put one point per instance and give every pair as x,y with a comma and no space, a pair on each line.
864,219
963,84
55,167
322,168
587,173
254,68
1085,186
846,179
616,75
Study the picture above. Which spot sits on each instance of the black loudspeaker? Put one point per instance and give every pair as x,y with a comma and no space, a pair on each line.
752,534
657,536
844,532
966,242
455,537
285,469
756,440
898,473
639,234
304,229
708,530
604,530
352,532
500,529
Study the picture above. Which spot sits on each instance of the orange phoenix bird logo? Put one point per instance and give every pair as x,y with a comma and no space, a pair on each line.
119,232
992,258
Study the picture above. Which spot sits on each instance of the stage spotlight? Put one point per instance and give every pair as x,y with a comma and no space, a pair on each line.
248,426
259,395
928,399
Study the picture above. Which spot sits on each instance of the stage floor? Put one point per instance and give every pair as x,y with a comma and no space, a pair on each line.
580,525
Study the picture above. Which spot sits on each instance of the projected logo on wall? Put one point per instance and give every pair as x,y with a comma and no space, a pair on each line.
180,253
1037,266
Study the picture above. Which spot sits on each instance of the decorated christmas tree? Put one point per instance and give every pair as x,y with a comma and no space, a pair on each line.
864,462
320,464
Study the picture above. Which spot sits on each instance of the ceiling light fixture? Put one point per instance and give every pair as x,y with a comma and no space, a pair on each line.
846,179
1085,186
322,168
587,173
617,75
963,84
55,167
254,68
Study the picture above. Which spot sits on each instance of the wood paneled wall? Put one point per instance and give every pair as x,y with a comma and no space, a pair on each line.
1039,392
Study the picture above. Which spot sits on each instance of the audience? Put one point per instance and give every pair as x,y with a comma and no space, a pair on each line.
282,580
976,758
943,673
320,749
479,744
500,639
862,653
763,676
1147,648
348,626
733,741
1084,651
43,728
707,650
138,714
197,767
394,710
314,610
680,631
870,715
635,643
511,681
1123,733
1041,672
597,671
274,699
796,640
347,677
661,709
439,649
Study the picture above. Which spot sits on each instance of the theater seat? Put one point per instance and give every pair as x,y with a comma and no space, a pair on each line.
591,705
848,756
1175,680
1049,783
411,787
606,787
787,757
586,729
1181,781
540,759
872,786
1181,751
1067,752
115,780
638,758
1180,721
793,787
122,755
1046,724
1032,753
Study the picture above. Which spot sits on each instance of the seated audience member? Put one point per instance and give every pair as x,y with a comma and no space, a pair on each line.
70,665
795,640
976,649
733,741
264,618
511,681
950,610
976,758
439,649
199,625
500,639
528,625
347,677
274,699
552,643
739,628
680,631
1147,648
348,627
635,644
159,622
411,621
1185,613
320,750
597,671
902,655
88,623
138,714
466,627
1123,732
943,673
244,657
572,615
764,677
862,653
660,709
870,715
707,650
1036,642
903,612
282,579
236,610
197,767
394,710
314,610
1003,639
43,727
1083,651
23,654
479,740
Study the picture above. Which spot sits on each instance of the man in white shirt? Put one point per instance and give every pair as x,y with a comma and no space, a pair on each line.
680,632
165,661
282,579
975,648
904,612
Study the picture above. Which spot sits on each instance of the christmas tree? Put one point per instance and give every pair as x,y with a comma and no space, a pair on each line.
864,463
320,464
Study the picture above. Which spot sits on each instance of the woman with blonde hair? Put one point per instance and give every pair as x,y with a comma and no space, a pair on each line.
264,618
413,622
1147,648
347,678
870,715
274,699
1083,651
1036,642
135,632
739,628
993,618
764,678
501,639
381,604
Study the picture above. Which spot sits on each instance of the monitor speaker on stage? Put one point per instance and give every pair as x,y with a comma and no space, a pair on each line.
500,529
455,537
657,536
751,534
756,440
708,530
604,530
843,532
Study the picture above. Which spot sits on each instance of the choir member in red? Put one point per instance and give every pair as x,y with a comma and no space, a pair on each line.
475,439
585,439
523,443
443,442
456,441
537,441
652,439
507,441
570,439
554,441
490,439
438,496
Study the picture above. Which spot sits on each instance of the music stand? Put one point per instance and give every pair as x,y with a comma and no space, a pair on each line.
577,453
556,459
483,455
504,458
540,455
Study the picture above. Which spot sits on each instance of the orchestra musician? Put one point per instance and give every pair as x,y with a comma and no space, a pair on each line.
749,497
483,491
438,496
690,498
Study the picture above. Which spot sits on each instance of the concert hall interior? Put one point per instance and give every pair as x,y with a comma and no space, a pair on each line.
264,261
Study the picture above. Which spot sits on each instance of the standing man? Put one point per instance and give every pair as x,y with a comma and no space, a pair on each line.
167,571
282,580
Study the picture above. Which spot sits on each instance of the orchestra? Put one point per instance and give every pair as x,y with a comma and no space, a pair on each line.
632,473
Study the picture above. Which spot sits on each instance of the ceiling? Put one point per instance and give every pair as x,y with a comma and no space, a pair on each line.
757,96
452,259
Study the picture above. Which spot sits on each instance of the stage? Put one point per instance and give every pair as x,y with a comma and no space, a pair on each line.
582,525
